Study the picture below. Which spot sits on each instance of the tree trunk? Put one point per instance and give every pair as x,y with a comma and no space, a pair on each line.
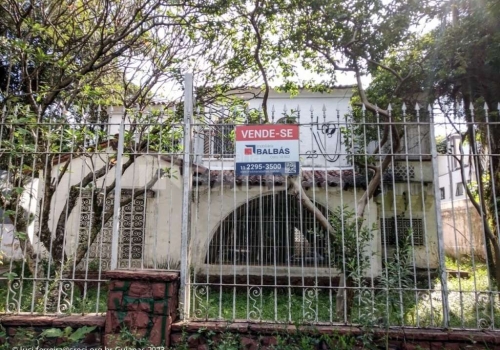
344,298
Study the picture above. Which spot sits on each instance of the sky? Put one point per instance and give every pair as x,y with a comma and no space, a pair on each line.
170,91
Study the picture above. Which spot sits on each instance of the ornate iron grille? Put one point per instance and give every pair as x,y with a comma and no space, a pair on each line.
401,172
131,243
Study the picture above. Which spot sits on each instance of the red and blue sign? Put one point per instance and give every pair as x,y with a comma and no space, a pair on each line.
267,149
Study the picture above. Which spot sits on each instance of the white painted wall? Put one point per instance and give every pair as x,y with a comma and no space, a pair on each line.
210,206
163,212
325,111
450,174
462,226
9,245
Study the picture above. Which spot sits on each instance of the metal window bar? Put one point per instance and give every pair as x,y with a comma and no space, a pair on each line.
259,253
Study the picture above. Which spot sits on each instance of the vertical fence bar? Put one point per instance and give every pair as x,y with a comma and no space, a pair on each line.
118,192
439,223
186,201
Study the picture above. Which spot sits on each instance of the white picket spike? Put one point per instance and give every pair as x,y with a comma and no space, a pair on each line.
486,107
403,107
311,109
429,108
298,108
363,107
417,106
324,108
273,109
471,106
389,108
284,108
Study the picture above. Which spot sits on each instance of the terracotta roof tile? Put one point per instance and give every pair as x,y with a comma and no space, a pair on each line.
310,178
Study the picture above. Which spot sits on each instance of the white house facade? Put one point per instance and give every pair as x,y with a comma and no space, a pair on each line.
252,225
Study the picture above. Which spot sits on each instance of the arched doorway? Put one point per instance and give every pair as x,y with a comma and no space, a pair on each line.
271,230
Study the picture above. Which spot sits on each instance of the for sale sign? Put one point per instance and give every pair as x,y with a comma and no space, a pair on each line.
267,149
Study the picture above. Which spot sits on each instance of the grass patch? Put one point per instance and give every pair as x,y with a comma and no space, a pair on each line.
20,296
470,303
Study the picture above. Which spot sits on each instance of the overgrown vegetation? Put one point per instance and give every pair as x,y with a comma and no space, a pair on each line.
21,293
50,337
396,300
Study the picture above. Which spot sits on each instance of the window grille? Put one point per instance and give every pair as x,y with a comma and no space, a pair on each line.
131,237
218,141
395,230
460,189
443,193
271,230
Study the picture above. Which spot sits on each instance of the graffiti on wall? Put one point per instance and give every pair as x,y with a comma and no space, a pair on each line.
326,141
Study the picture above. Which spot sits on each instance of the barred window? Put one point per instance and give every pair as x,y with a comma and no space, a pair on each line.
218,140
270,230
460,189
443,193
395,230
131,237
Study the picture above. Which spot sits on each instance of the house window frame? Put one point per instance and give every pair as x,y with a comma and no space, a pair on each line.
460,189
210,138
442,190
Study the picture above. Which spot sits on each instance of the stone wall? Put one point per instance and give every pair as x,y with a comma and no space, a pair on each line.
206,335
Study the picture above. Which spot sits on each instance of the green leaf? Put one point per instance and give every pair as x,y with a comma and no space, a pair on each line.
80,333
11,276
21,235
9,213
18,190
52,333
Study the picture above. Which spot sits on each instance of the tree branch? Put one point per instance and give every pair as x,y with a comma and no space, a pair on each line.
100,220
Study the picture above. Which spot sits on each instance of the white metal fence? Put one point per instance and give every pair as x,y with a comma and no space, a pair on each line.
391,222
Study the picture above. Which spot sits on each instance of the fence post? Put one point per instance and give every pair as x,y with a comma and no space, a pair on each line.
186,200
439,223
117,200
